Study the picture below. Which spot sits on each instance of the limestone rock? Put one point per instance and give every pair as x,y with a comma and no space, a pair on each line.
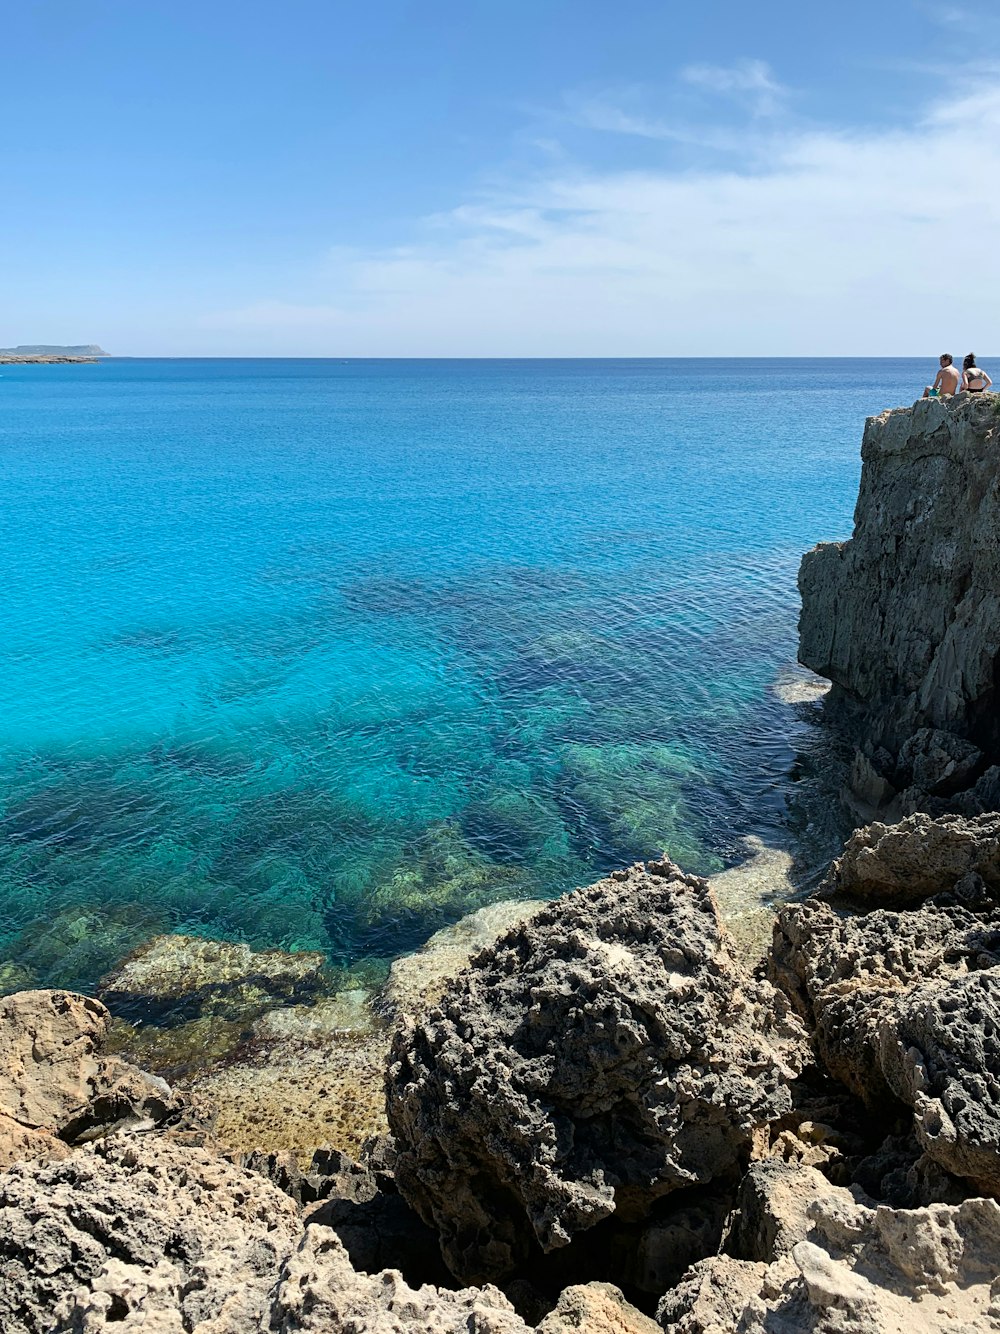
918,857
420,979
49,1062
847,975
320,1292
595,1308
20,1143
600,1056
907,1005
941,1055
937,762
139,1230
772,1210
854,1267
56,1085
304,1078
178,977
904,618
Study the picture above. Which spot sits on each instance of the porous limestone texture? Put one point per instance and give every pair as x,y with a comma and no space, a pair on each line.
595,1308
138,1230
319,1292
904,618
827,1260
909,861
57,1087
140,1234
601,1055
906,1005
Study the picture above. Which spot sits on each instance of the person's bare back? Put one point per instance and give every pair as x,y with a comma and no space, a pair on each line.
946,381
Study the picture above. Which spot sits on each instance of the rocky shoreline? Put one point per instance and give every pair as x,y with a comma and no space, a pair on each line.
622,1111
8,360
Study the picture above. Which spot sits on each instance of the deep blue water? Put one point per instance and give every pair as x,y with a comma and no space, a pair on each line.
324,654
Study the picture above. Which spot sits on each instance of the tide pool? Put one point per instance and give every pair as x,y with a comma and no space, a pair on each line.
321,654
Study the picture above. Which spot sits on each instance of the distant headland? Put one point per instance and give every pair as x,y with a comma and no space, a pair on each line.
45,352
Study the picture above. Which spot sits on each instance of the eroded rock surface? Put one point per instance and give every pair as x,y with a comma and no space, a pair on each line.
904,618
826,1260
600,1056
178,977
138,1229
906,1004
319,1291
920,856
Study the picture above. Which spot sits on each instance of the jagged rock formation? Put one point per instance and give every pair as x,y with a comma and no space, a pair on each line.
909,861
138,1233
906,1004
601,1055
904,618
822,1259
136,1228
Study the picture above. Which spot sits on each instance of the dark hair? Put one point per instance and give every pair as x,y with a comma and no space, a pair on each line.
969,362
945,358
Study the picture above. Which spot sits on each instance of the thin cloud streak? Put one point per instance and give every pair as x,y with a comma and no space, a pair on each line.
841,243
751,81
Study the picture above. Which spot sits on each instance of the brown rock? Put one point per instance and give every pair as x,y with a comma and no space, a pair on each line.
596,1308
838,1263
885,865
139,1230
49,1062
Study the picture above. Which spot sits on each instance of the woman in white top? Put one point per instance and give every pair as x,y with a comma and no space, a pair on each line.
974,380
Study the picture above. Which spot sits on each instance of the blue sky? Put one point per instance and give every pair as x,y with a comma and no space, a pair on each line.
579,179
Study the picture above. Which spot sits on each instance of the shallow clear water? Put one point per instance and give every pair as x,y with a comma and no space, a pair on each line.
325,654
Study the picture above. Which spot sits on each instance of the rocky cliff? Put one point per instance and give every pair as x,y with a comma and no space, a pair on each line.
904,618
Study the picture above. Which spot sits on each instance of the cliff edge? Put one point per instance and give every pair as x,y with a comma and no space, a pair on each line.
904,618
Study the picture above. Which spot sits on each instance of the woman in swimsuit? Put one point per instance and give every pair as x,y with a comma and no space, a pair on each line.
974,380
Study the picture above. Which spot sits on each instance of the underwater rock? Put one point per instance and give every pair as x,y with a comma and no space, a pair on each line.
745,894
440,879
904,618
918,857
307,1076
601,1055
136,1232
632,797
172,978
832,1261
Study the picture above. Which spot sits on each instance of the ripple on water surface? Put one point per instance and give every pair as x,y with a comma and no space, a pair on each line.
316,655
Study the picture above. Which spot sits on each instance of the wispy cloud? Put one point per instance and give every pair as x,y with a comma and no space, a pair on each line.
750,81
952,16
604,114
827,241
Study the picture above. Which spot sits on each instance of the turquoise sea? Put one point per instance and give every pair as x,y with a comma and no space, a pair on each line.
324,654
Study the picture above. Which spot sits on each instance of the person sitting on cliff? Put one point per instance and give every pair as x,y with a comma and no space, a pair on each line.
945,382
974,380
